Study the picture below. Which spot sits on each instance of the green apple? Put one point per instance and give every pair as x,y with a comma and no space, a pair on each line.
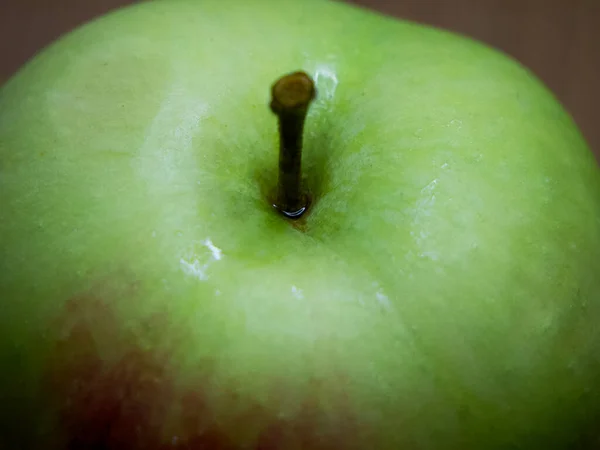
442,290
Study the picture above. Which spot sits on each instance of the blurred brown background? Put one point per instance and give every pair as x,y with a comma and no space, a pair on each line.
558,39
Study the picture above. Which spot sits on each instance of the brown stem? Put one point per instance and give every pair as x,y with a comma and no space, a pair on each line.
291,97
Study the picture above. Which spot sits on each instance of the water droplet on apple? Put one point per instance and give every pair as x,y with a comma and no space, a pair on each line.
292,214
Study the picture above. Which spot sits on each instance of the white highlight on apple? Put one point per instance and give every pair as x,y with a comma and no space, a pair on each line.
197,265
165,159
217,253
326,81
421,212
194,268
430,255
163,152
297,293
383,299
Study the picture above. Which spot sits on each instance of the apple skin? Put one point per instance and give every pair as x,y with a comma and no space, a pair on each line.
442,292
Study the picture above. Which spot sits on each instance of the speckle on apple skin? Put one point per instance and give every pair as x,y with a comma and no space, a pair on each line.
131,401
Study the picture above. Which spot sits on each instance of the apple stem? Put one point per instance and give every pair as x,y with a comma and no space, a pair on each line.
291,97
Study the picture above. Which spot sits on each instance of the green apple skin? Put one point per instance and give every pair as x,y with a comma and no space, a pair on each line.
442,293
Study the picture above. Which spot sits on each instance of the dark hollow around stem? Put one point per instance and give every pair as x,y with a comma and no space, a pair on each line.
291,96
